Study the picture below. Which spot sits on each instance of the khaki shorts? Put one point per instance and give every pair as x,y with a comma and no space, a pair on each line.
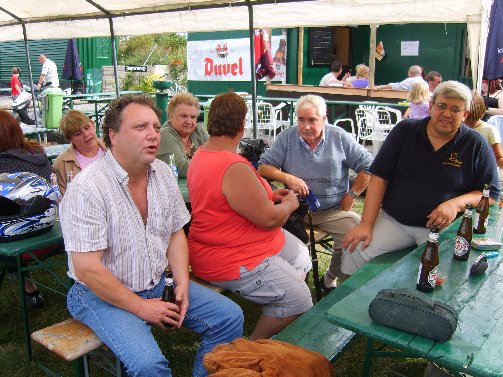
278,282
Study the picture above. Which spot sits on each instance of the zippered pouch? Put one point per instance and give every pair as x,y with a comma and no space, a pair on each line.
412,311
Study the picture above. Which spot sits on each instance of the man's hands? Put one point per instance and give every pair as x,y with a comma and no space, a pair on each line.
297,185
361,232
443,215
347,203
159,313
165,314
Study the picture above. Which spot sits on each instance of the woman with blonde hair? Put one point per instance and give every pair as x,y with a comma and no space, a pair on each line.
488,131
362,77
419,98
85,146
181,135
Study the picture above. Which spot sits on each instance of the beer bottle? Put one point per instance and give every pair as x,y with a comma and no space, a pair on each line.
464,236
172,166
482,212
168,295
429,263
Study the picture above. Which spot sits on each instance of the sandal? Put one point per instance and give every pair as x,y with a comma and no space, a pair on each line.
35,299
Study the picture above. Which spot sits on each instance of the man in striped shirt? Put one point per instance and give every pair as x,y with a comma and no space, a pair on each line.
122,221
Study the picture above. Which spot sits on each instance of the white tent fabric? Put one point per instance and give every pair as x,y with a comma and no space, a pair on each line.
62,19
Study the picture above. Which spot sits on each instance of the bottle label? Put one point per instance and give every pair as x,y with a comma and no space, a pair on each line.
485,192
174,170
468,212
476,219
432,276
461,246
433,237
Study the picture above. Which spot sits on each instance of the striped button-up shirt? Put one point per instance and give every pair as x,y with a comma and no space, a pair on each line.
98,213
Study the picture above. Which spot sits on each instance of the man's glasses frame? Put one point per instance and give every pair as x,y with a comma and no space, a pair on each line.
442,107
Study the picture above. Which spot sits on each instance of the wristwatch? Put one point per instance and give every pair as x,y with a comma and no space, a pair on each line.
352,194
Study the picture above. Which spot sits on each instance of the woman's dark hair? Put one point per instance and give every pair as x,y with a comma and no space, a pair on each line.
494,85
11,135
336,66
226,115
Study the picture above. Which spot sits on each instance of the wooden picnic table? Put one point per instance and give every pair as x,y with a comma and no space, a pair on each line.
101,101
53,151
182,185
475,347
39,132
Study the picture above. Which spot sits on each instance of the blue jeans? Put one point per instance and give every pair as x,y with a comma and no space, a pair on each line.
216,317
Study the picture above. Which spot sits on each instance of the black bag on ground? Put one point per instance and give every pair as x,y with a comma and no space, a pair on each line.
252,149
295,223
412,311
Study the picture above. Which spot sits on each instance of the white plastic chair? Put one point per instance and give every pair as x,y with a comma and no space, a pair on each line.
278,118
385,119
266,124
365,121
351,125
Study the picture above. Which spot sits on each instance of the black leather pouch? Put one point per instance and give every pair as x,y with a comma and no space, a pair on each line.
295,222
412,311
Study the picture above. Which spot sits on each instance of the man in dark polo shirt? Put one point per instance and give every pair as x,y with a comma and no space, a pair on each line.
424,175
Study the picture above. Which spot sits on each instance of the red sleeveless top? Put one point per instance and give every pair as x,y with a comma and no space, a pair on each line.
220,239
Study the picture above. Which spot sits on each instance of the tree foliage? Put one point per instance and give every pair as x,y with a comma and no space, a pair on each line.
167,49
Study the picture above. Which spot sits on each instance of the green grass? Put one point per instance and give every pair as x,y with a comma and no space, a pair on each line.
179,346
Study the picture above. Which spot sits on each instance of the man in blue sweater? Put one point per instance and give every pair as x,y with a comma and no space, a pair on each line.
317,156
425,173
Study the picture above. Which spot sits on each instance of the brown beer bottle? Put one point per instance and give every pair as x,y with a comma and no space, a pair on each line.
482,213
429,263
462,244
168,294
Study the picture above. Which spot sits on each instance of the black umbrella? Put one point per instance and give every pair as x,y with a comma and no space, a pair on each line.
72,68
493,63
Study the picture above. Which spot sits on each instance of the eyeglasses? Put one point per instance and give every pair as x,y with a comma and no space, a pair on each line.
442,107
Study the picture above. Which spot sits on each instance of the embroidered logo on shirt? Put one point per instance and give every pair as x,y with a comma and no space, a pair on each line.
453,160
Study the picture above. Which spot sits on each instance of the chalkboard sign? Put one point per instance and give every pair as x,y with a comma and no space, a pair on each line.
321,45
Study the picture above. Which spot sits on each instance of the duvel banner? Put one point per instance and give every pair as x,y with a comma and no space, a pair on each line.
229,59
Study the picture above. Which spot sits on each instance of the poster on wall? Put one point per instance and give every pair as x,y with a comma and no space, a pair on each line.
229,59
409,48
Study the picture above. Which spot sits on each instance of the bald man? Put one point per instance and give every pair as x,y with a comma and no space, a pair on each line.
49,76
414,76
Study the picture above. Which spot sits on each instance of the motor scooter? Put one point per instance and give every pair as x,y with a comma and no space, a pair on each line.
20,107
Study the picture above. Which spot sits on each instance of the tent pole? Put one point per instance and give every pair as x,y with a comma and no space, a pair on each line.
112,36
300,56
114,56
252,67
372,59
30,75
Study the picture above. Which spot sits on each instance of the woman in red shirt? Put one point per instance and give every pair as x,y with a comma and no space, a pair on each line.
235,239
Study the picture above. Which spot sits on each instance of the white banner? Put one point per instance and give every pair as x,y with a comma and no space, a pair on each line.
229,59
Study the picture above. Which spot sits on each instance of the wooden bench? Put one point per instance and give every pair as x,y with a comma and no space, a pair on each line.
204,283
313,331
72,340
